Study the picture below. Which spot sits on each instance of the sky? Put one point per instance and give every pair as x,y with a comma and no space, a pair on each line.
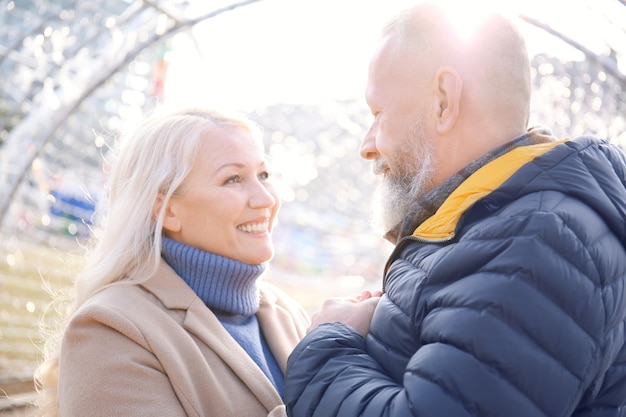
276,51
312,51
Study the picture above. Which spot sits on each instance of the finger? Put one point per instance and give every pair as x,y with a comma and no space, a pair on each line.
364,295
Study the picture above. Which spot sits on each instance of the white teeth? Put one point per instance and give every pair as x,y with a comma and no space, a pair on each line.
254,227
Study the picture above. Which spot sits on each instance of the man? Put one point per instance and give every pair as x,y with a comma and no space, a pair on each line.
506,292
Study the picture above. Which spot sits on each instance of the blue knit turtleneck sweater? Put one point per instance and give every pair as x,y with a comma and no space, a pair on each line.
228,288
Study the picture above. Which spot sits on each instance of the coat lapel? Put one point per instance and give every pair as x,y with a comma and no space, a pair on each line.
283,325
200,321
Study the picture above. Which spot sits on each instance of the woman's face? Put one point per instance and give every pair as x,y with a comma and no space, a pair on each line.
227,205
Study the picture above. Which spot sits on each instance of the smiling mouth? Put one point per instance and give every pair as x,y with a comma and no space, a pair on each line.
261,227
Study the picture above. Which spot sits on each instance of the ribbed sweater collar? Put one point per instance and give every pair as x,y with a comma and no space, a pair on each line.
225,285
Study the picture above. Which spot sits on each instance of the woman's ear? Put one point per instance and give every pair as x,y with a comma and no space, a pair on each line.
170,221
448,95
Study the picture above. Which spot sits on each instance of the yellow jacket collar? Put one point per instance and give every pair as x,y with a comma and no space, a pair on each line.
443,223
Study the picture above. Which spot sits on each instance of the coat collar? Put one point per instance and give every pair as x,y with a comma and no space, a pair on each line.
427,206
200,321
443,223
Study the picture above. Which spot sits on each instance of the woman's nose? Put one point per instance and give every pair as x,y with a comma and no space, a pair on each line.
263,196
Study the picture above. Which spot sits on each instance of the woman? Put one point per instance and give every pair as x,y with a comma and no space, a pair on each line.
170,316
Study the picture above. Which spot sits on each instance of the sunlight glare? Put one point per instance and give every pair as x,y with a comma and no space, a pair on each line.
311,58
466,16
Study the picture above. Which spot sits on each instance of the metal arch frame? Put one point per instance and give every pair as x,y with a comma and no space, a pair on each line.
47,122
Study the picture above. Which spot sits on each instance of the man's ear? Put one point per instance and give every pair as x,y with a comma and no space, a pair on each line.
448,98
170,221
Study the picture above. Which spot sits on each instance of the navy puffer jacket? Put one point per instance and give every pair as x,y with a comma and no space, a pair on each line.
510,301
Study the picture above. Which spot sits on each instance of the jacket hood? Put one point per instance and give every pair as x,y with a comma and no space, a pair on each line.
591,170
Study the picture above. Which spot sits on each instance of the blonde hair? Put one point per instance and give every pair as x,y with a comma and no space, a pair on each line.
152,163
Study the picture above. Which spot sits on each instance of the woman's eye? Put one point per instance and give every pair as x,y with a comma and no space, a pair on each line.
264,175
232,180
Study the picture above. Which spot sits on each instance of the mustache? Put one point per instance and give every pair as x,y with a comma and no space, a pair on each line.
379,166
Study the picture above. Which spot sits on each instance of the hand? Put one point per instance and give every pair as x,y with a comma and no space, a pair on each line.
353,312
368,294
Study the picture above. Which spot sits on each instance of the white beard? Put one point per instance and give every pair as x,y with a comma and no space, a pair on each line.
395,194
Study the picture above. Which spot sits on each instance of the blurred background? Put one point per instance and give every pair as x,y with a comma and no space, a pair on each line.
73,74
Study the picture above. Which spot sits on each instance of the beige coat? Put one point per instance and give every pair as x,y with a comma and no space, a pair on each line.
157,350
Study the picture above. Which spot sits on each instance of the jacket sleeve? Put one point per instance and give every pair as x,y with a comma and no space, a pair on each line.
330,374
516,319
107,369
